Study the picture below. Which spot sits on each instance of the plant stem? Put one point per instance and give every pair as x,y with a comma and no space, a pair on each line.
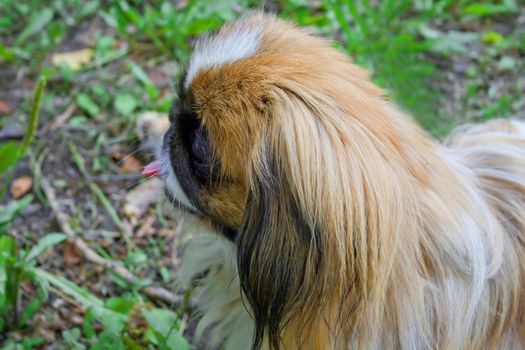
33,116
29,134
79,162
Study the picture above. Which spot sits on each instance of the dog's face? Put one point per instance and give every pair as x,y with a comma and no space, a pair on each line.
278,138
236,85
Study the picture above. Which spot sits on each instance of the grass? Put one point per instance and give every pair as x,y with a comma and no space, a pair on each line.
108,61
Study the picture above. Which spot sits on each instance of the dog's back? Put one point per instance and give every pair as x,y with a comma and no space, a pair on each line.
495,154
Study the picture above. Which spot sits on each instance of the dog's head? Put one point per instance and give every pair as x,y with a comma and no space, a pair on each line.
279,139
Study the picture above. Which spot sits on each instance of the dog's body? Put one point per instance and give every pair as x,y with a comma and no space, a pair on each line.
348,226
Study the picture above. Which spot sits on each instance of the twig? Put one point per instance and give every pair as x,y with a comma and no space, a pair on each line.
115,177
62,118
153,292
95,189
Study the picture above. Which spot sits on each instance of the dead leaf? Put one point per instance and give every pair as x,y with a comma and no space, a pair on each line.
74,59
5,107
21,186
71,254
130,164
146,229
166,232
77,320
138,200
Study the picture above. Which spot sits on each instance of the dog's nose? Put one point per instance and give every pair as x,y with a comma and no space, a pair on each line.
152,169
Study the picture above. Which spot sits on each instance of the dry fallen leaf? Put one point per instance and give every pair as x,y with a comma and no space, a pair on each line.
71,254
141,197
146,229
5,107
130,164
21,186
74,59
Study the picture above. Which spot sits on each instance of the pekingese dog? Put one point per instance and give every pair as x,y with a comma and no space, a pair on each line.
341,223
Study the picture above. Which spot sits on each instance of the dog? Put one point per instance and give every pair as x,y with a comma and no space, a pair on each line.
336,221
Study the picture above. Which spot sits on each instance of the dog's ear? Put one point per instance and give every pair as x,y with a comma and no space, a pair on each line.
277,255
280,249
317,241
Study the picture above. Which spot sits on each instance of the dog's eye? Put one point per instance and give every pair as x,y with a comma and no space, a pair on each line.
200,149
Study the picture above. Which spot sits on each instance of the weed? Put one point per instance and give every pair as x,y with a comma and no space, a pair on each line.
16,267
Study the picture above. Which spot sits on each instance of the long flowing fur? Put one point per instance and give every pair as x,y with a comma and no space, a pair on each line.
485,156
209,269
360,231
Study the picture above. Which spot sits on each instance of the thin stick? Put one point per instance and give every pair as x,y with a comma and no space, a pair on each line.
95,189
153,292
62,118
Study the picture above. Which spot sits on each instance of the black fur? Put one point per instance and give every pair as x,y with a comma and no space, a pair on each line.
274,244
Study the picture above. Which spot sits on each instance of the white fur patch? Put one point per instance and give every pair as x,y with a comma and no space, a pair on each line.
214,51
209,267
172,183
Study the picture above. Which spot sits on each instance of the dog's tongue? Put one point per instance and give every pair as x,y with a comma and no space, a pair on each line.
152,169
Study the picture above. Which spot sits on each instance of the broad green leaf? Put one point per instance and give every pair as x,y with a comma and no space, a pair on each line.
487,9
108,341
112,321
30,310
6,53
8,155
507,63
29,343
165,274
6,249
89,332
37,22
89,8
71,335
125,104
78,121
135,257
139,73
452,42
130,344
8,212
491,37
86,103
104,45
164,324
120,305
9,344
44,243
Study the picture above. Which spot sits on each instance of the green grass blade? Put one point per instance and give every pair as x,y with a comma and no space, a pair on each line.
9,156
79,162
44,243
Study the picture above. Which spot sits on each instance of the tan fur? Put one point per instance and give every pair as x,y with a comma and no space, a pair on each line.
378,236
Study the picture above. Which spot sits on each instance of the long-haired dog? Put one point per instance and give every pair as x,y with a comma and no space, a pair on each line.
342,224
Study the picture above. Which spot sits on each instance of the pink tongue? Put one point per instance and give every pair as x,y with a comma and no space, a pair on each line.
151,169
